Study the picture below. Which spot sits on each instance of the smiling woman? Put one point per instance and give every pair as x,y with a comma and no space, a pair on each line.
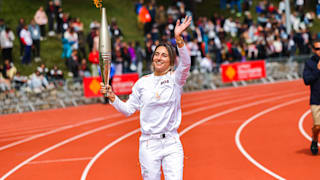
158,97
163,59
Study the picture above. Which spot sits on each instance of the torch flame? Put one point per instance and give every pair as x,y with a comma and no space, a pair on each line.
97,3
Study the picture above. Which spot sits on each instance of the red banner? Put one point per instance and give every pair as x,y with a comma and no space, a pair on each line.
91,86
121,84
243,71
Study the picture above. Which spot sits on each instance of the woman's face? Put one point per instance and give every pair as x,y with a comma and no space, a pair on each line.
161,60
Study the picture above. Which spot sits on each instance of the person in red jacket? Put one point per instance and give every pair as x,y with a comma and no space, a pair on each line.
94,59
25,37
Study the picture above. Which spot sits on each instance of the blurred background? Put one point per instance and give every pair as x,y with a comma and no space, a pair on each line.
49,48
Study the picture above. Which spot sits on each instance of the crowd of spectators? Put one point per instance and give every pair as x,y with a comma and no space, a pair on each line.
29,37
222,39
211,41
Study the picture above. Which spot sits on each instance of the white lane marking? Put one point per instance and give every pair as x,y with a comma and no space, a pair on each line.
93,160
57,130
90,164
303,132
69,140
243,125
61,160
64,142
13,138
73,138
91,121
234,109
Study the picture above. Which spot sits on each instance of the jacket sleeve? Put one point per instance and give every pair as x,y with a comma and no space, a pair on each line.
182,71
129,107
310,73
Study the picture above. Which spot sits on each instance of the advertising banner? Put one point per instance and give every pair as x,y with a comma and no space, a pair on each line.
121,84
243,71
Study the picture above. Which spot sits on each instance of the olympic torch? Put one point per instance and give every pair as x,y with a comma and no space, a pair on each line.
104,49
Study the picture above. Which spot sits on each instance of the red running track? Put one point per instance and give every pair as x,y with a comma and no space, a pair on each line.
237,133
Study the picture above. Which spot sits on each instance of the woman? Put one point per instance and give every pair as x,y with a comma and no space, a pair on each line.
158,97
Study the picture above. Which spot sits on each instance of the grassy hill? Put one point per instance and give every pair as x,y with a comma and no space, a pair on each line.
51,49
122,10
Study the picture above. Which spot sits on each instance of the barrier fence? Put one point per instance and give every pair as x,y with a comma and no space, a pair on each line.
71,92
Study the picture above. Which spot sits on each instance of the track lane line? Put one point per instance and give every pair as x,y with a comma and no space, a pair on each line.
81,135
64,142
301,120
243,125
60,160
90,164
57,130
96,130
80,124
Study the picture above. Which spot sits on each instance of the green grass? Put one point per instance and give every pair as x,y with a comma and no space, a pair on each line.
122,10
51,49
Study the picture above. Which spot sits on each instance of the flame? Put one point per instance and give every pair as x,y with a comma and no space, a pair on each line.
97,3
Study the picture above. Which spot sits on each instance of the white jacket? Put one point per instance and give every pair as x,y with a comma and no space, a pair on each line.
6,39
158,98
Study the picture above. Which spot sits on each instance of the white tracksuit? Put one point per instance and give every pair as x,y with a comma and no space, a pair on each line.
159,100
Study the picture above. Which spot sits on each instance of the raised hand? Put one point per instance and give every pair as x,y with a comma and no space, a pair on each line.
180,27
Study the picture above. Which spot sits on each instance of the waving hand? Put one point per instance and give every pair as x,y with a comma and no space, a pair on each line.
180,27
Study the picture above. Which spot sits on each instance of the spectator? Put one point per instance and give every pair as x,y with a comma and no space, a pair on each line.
84,70
90,37
5,84
56,76
72,38
25,37
96,40
2,25
77,25
6,43
194,49
20,26
117,56
19,81
9,69
73,64
64,26
133,57
35,35
51,14
82,44
161,18
116,32
206,64
239,7
60,19
140,56
125,57
41,19
67,50
44,71
38,82
94,59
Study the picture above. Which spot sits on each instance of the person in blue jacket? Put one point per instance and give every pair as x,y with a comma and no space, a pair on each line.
311,77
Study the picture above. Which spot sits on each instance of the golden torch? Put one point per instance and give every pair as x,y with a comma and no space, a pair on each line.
104,49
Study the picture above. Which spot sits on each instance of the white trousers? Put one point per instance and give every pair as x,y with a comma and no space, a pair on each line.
157,151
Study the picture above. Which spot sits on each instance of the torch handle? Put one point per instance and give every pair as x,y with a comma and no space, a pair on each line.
105,66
